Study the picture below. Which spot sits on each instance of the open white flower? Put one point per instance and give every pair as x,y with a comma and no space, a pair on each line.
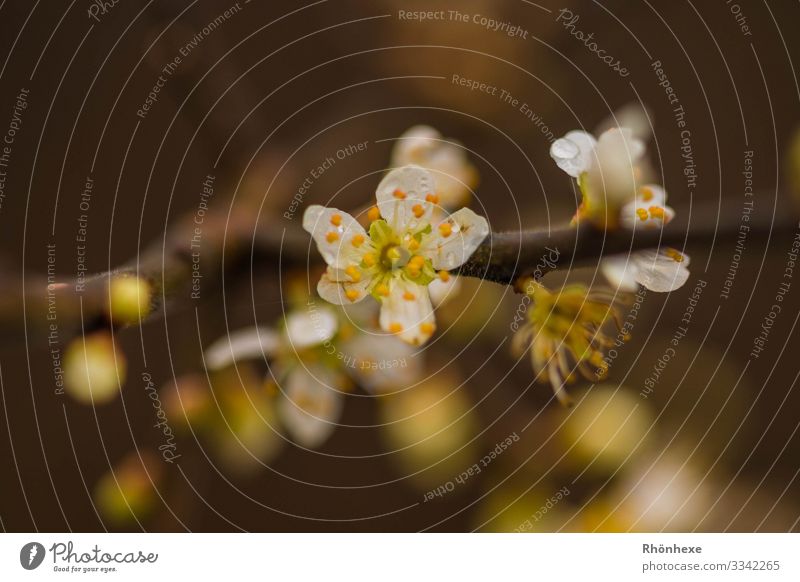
400,256
660,271
312,397
447,159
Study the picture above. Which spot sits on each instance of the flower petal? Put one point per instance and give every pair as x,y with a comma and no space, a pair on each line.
310,327
574,152
614,172
661,271
455,239
312,405
446,159
402,197
334,232
440,291
249,343
335,287
407,312
620,270
631,116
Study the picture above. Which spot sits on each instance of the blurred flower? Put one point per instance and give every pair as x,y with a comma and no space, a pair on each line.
512,509
313,386
564,333
431,429
607,427
128,492
93,368
447,159
401,255
312,360
664,492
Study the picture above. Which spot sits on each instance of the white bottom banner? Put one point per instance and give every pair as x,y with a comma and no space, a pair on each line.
405,557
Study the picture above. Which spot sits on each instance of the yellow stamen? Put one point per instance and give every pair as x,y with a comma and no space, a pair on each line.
427,328
418,210
395,327
353,272
409,296
444,276
657,212
445,229
413,244
369,259
674,255
332,236
373,214
647,194
399,194
336,220
382,290
417,261
352,294
641,213
432,198
358,240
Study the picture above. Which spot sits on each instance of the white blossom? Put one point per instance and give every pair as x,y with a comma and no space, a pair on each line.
609,171
400,256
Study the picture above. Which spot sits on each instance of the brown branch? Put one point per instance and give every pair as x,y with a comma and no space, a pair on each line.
237,243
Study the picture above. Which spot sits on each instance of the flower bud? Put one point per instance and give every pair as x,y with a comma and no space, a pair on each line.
93,368
129,300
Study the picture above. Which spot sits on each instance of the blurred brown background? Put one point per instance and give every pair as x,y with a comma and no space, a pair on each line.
280,86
